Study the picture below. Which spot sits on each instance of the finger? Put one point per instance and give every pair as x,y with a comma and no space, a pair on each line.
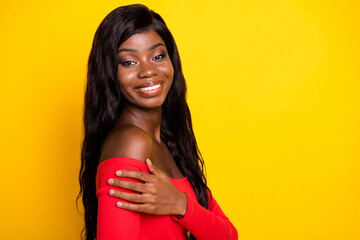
145,177
131,197
153,169
134,186
144,208
149,165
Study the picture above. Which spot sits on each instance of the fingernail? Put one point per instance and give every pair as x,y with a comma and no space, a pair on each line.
111,181
118,173
112,192
149,161
119,204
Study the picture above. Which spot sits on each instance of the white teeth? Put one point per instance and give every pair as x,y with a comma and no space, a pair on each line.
149,88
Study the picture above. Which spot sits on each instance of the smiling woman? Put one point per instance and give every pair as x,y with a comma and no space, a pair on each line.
145,71
136,110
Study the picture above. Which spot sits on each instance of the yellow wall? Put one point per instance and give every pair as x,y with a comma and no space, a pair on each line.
274,90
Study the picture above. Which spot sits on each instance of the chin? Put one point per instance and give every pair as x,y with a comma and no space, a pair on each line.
156,103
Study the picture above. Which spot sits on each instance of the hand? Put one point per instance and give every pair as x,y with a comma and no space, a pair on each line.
157,194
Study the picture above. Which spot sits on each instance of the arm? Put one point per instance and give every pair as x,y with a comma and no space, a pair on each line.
203,223
114,223
207,224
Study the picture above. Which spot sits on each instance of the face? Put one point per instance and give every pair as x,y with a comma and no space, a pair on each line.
145,71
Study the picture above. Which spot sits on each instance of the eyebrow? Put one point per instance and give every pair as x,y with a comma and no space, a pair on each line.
152,47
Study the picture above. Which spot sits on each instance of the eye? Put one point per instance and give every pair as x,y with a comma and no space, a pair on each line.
127,63
159,57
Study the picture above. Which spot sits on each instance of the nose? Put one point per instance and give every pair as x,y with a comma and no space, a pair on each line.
147,69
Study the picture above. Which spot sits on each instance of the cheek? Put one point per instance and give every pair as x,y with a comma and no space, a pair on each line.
171,75
124,78
169,71
172,72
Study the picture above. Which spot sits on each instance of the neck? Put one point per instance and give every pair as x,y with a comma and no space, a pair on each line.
147,119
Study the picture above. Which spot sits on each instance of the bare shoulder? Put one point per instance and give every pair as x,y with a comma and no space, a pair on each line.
127,141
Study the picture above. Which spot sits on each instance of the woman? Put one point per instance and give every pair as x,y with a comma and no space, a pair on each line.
139,146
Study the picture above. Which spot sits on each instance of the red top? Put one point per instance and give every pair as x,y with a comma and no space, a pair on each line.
116,224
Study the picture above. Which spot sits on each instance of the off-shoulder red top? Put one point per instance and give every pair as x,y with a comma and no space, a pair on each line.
114,223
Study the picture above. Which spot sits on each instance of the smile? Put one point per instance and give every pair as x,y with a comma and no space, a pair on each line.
150,91
150,88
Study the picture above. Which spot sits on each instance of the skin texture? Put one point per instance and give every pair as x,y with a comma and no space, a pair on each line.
144,62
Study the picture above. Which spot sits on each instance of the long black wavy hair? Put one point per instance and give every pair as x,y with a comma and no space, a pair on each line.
103,106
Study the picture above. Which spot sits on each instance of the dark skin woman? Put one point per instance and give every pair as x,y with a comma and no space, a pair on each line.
145,76
136,113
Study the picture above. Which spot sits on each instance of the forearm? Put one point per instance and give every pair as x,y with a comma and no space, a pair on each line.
205,224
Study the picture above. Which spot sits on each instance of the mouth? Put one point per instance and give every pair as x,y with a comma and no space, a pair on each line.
150,90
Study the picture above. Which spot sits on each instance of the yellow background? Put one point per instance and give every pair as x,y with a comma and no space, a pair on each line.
274,91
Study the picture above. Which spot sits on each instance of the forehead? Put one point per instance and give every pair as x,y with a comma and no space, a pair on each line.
142,40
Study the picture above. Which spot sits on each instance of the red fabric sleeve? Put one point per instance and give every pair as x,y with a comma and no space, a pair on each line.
114,223
207,224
